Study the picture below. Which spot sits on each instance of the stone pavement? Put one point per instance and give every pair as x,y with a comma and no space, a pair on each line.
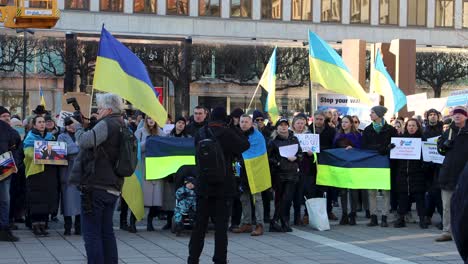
343,244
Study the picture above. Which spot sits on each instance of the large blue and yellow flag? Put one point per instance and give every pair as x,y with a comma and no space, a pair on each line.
353,169
165,155
382,83
121,72
268,82
328,69
41,94
132,190
256,163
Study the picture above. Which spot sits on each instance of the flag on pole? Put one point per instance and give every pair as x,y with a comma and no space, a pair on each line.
132,190
268,82
328,69
120,71
41,94
382,83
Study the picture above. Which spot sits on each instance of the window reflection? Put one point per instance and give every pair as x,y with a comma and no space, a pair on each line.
241,8
301,9
177,7
331,10
416,12
360,11
144,6
271,9
444,13
388,12
209,8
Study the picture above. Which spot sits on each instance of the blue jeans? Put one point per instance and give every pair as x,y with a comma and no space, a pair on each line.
5,203
97,229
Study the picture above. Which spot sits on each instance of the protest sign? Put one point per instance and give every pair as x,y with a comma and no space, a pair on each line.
458,98
436,103
430,153
83,99
288,151
168,128
417,103
50,152
7,165
61,118
309,142
406,148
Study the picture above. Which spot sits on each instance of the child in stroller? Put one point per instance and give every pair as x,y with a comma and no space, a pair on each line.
184,212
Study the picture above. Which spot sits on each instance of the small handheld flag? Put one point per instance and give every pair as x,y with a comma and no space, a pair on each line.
41,94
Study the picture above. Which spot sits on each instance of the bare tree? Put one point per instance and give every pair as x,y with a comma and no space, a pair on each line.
52,56
12,52
439,68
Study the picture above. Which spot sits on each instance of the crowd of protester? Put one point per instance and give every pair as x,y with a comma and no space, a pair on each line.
35,197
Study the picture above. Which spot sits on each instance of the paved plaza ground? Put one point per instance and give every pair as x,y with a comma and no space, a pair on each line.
343,244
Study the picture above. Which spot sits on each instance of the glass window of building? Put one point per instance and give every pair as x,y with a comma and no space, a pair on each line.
301,9
77,4
241,8
178,7
272,9
144,6
465,13
388,12
444,13
111,5
360,11
209,8
417,13
331,11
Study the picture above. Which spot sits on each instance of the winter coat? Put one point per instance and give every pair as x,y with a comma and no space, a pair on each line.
410,176
282,169
378,141
192,128
433,131
456,155
348,139
233,143
10,140
70,196
432,169
459,214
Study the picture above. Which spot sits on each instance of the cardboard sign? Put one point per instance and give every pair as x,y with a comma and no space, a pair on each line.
309,142
84,100
430,153
168,128
417,103
61,118
7,165
50,152
406,148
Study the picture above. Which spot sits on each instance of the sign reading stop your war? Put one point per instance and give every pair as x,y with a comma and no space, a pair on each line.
309,142
406,148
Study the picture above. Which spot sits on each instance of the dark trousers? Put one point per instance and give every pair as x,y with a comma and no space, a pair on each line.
404,203
123,211
298,200
284,196
218,209
236,212
434,202
97,229
354,195
267,197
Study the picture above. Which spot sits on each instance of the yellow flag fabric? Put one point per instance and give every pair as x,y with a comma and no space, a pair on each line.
268,82
31,168
132,193
256,163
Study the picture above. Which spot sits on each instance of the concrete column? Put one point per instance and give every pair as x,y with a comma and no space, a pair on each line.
94,6
193,8
430,13
374,12
458,14
354,56
316,11
61,4
403,15
345,11
128,6
225,8
256,9
161,8
286,10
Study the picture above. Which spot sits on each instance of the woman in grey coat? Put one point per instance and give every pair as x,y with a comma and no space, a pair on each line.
70,195
153,189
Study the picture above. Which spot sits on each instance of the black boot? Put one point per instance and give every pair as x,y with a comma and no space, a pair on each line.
78,225
373,221
67,225
352,219
400,222
368,214
275,226
344,219
384,221
422,223
132,226
285,226
149,223
42,230
168,224
7,236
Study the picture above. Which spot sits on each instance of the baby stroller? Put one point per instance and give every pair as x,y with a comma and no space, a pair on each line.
187,216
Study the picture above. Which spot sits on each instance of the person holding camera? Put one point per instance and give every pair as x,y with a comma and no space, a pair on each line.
99,183
453,144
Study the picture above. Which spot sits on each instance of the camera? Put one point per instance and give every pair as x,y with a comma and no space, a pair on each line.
77,114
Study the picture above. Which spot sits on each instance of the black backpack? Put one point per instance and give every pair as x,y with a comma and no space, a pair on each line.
210,158
127,159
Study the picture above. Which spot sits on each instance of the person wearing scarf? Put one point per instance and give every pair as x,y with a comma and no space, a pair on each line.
41,180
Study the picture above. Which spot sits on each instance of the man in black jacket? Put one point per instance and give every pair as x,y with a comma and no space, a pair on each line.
214,200
459,216
453,144
199,120
377,136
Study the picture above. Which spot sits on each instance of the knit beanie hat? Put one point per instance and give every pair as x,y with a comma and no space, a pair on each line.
3,110
219,114
257,114
180,118
379,110
237,113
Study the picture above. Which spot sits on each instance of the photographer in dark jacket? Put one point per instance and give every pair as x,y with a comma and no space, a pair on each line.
453,144
100,186
214,200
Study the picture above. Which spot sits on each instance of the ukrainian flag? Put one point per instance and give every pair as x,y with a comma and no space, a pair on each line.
353,169
268,82
121,72
256,163
132,190
165,155
382,83
41,94
328,69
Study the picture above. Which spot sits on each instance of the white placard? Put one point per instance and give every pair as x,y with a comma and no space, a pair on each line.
406,148
436,103
289,150
430,153
168,128
432,139
309,142
417,103
61,118
50,152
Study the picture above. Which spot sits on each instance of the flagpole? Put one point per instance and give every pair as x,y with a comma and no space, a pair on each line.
251,100
91,103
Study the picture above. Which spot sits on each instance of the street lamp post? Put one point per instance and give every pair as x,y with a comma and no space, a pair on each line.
24,31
